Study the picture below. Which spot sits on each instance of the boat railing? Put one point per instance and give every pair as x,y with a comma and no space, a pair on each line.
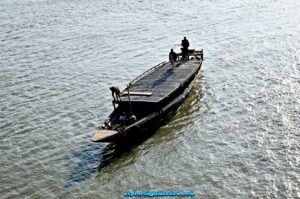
197,53
146,73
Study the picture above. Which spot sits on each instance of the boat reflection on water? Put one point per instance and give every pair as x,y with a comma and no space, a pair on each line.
86,162
95,156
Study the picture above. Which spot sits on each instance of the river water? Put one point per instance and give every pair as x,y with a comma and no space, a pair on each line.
236,136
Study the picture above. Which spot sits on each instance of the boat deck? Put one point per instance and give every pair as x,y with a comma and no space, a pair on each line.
161,82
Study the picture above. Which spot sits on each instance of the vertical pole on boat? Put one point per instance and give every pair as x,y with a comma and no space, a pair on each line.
130,107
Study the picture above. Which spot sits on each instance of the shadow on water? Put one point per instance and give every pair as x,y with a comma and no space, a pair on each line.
86,161
94,156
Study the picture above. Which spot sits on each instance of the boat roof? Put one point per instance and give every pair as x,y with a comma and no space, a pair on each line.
160,81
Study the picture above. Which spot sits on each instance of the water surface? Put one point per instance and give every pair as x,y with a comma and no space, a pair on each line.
236,136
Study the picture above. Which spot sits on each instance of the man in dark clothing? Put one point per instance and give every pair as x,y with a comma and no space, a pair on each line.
115,93
185,48
172,58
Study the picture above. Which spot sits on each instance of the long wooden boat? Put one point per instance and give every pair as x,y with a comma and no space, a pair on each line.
149,99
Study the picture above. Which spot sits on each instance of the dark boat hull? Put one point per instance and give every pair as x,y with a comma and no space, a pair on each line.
155,120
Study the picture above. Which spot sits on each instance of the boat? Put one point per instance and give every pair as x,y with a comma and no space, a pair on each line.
150,99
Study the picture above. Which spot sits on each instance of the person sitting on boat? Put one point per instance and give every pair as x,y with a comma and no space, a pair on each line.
185,48
132,118
172,58
122,118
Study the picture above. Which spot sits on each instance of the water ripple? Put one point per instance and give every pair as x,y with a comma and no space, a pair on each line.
236,135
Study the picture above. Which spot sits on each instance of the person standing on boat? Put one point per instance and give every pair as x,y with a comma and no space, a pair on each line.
172,58
185,48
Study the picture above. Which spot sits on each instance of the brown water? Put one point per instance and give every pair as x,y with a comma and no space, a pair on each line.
236,136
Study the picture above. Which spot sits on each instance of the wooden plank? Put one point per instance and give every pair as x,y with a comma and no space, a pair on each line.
137,93
103,133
